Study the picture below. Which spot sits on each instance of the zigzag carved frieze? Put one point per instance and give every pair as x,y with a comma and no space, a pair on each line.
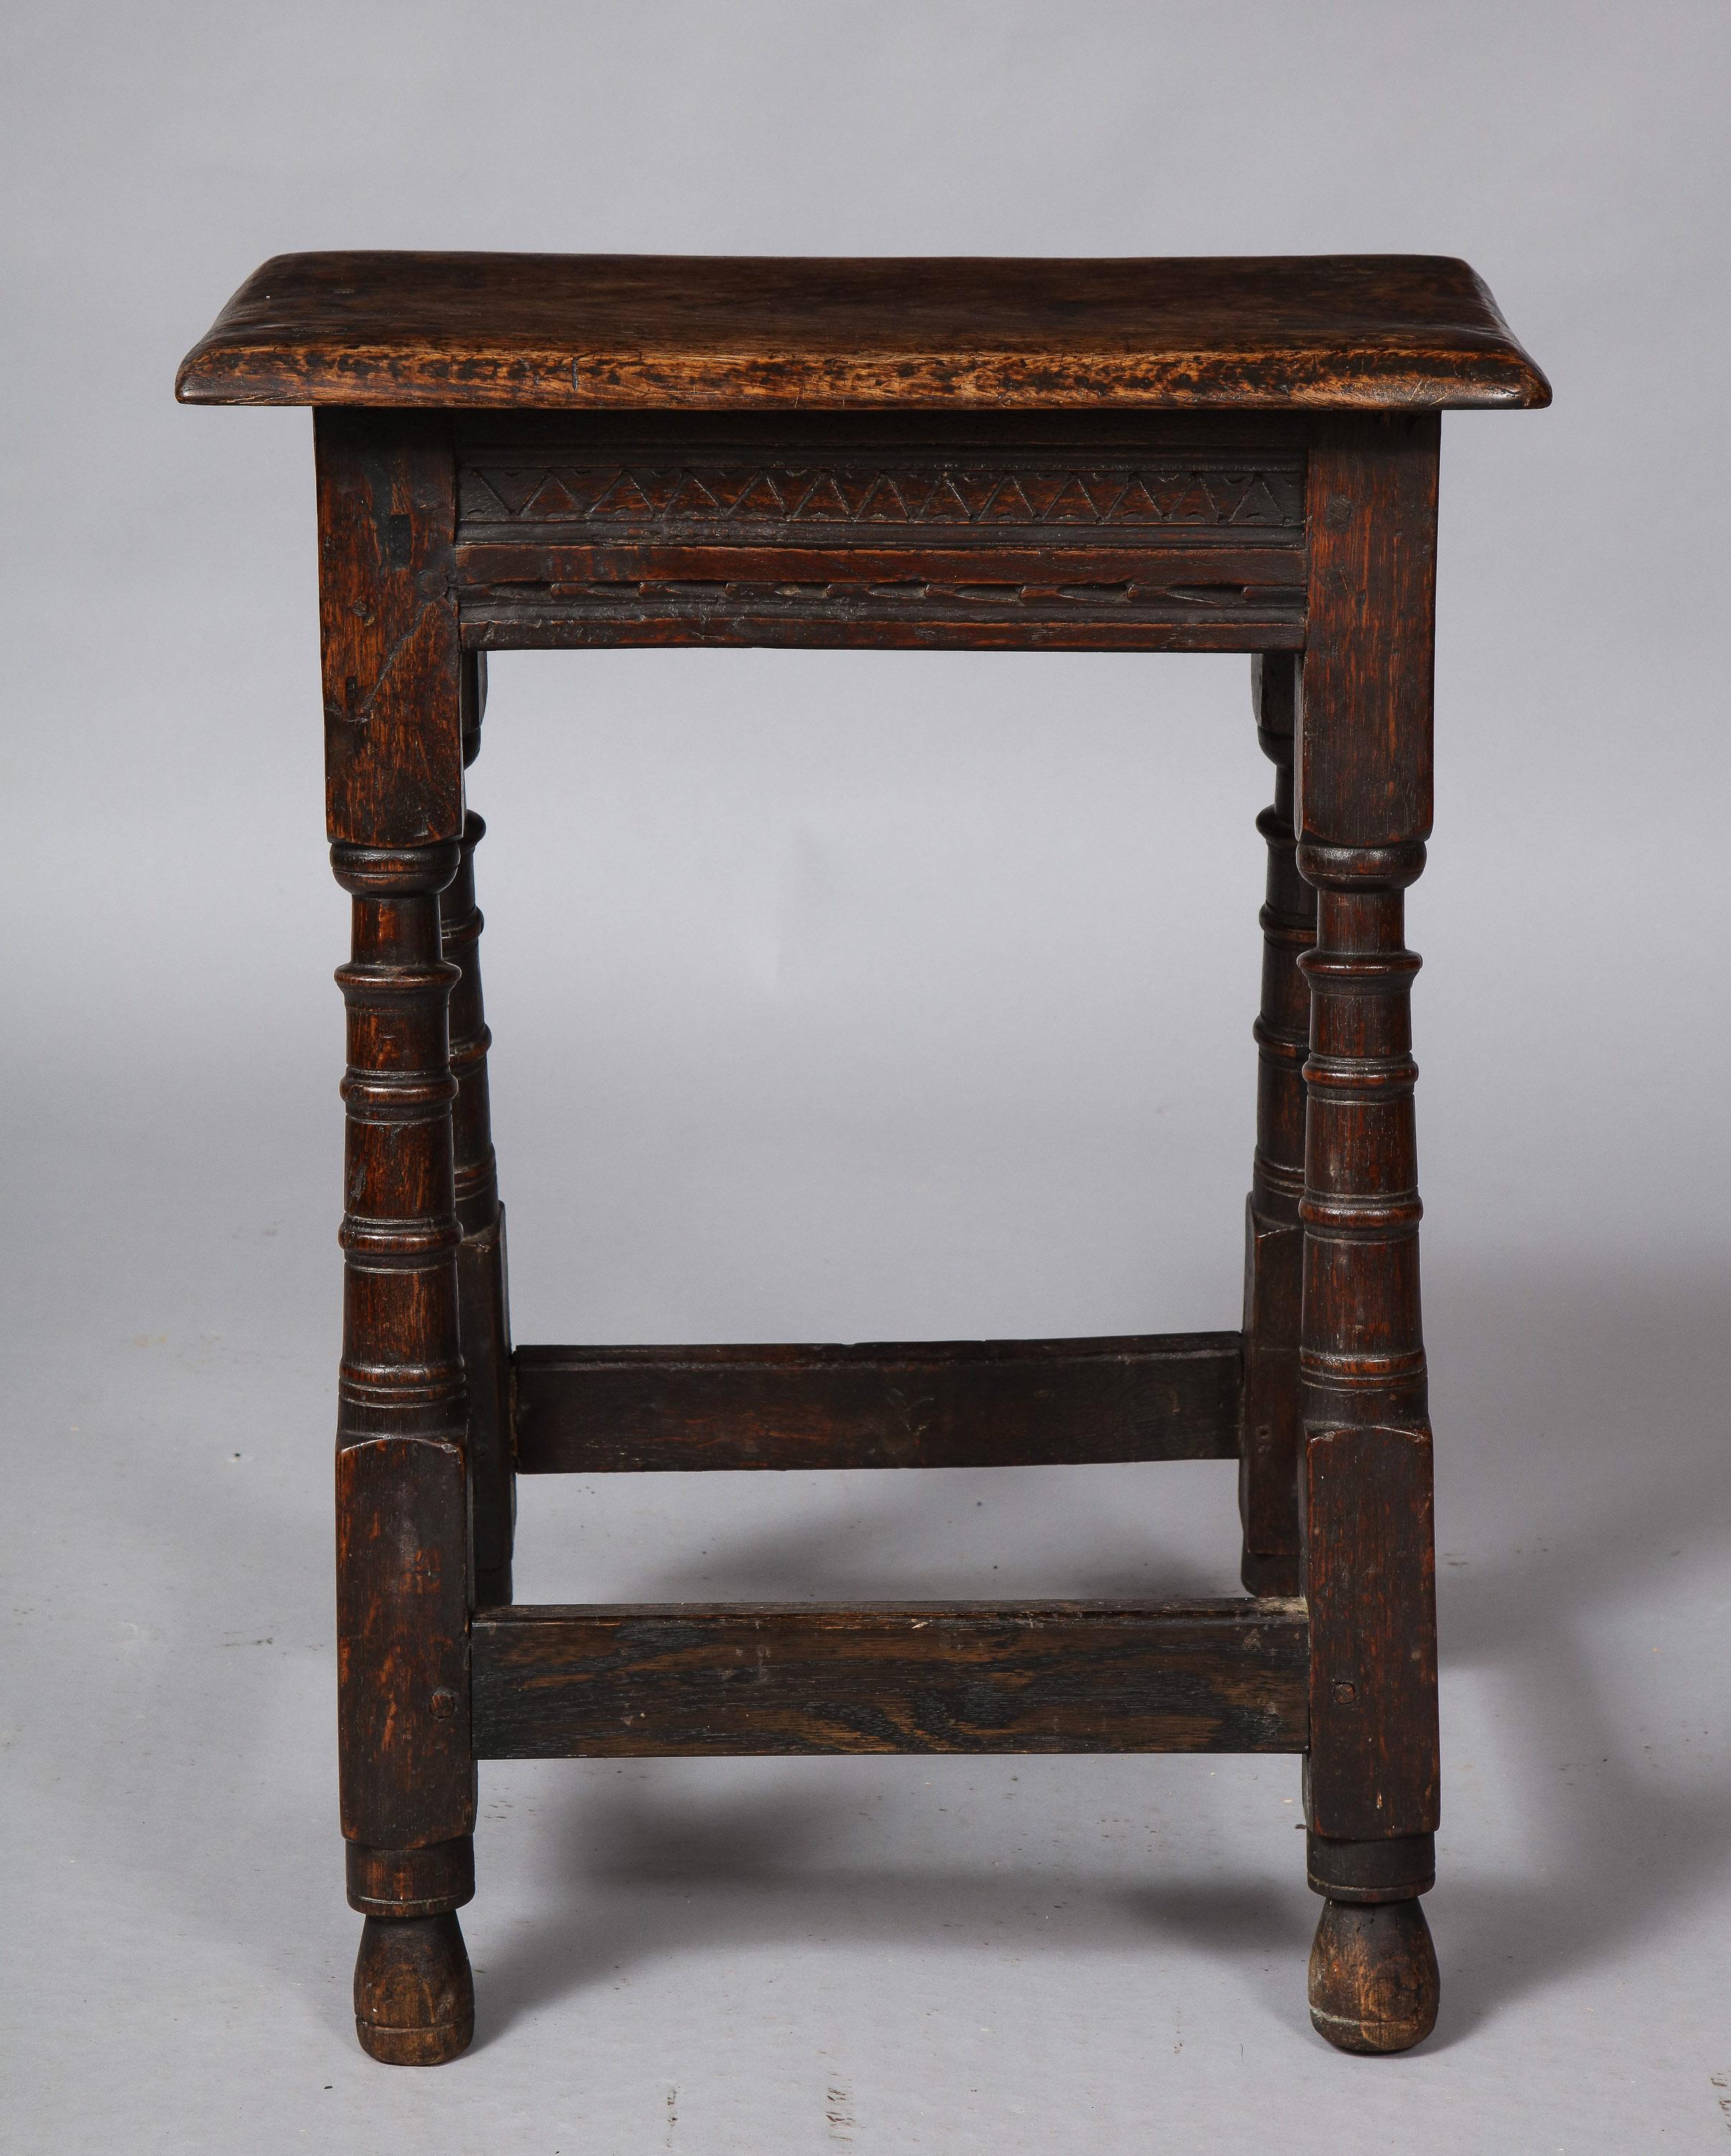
751,501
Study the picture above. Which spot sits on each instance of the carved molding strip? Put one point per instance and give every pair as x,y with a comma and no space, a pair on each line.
688,596
749,501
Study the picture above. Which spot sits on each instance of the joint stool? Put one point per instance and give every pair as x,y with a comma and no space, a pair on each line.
1183,455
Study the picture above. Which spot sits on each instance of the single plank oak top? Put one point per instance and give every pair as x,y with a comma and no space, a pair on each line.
686,332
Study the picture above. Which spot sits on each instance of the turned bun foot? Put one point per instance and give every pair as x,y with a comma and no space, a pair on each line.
414,1997
1374,1983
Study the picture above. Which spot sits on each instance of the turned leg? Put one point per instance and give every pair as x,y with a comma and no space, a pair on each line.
1372,1781
1273,1238
394,781
407,1779
1372,1771
483,1306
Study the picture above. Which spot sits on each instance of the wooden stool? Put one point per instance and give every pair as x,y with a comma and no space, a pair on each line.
1185,455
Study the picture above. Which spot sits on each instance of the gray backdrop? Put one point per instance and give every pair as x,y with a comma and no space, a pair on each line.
859,996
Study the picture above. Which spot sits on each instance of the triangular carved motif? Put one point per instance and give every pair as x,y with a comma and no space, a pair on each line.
761,498
1105,490
623,498
1188,502
1040,489
514,487
883,503
1072,504
1008,504
726,483
693,498
1227,492
975,489
944,505
481,500
1258,505
854,483
1135,506
826,503
553,500
586,484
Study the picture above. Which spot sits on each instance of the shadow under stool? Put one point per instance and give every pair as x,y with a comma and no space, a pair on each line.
579,451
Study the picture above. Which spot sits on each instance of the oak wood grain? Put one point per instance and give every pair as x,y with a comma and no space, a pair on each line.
671,332
1192,454
393,671
1273,1240
687,1679
1371,1580
924,1403
1364,810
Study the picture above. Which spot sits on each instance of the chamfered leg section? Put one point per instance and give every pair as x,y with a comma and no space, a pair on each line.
414,1996
1374,1982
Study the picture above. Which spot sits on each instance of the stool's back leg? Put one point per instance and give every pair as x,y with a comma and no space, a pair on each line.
483,1308
394,784
1364,804
1273,1240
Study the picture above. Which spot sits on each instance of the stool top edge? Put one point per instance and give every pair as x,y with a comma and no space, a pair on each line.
697,332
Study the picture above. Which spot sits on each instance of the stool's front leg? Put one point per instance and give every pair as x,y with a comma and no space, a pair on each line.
402,1620
394,775
1366,1491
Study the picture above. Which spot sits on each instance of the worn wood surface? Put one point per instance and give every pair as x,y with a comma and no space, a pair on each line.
422,1881
1364,812
1027,1676
1009,481
475,1168
402,1643
1370,1585
414,1992
407,1779
1191,454
667,332
484,1322
731,615
924,1404
909,597
1274,1239
1374,1983
887,529
1365,758
387,606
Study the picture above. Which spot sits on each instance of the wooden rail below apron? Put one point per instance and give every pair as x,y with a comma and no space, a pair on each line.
694,1678
921,1404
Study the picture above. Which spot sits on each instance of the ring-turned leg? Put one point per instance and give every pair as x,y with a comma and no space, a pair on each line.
1364,801
394,778
1274,1239
402,1618
482,1304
